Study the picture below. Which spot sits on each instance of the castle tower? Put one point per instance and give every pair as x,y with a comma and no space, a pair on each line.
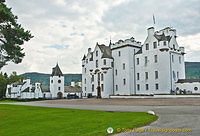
57,83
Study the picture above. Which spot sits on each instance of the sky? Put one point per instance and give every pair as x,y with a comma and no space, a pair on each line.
63,30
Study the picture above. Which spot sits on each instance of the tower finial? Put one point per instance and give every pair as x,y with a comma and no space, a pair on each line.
110,42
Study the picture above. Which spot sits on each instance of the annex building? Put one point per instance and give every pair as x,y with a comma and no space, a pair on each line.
128,67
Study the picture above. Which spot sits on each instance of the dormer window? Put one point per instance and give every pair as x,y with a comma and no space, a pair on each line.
147,46
165,43
119,53
154,45
96,53
104,62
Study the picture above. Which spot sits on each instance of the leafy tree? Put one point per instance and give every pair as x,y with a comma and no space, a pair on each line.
14,78
3,84
12,35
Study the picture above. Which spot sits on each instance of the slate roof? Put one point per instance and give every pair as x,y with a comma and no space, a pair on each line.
188,80
162,37
26,90
56,71
70,89
107,53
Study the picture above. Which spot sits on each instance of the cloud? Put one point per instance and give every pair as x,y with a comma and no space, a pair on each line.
64,29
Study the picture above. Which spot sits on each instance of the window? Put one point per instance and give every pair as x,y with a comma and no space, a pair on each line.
86,60
155,58
138,61
92,88
59,81
147,46
177,75
116,72
138,87
146,75
112,64
172,58
138,76
101,77
195,88
147,86
173,46
104,62
119,53
96,53
154,45
85,80
157,87
85,70
102,89
156,74
124,80
146,59
96,63
180,59
51,81
92,79
123,66
98,76
116,87
85,88
164,43
58,88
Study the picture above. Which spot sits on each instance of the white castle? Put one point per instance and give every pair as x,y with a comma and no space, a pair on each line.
129,68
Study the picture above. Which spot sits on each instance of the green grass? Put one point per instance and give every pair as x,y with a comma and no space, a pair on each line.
18,120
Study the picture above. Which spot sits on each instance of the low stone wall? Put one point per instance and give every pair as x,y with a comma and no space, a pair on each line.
159,96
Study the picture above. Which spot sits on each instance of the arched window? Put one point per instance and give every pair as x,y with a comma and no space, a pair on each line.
51,81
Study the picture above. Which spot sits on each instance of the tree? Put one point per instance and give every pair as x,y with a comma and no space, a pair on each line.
12,35
14,78
3,84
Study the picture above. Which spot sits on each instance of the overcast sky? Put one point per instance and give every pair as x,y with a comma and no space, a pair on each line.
64,29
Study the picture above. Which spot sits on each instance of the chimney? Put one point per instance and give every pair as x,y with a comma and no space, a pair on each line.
150,31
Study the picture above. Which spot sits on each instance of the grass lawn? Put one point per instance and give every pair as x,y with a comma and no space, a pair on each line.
16,120
8,101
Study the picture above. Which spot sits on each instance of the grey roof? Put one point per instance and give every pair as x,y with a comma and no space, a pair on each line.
107,53
26,90
45,88
139,52
84,57
188,80
70,89
56,71
162,37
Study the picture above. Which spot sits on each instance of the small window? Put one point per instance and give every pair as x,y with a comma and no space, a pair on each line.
155,58
51,81
146,59
59,81
157,87
124,81
138,76
147,86
195,88
173,46
116,87
138,61
101,77
164,43
112,64
85,70
92,79
58,88
92,88
180,59
116,72
172,58
147,46
96,63
138,87
119,53
96,53
85,80
123,66
177,75
98,76
104,62
102,89
86,60
85,88
146,75
156,74
154,45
